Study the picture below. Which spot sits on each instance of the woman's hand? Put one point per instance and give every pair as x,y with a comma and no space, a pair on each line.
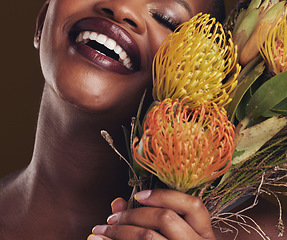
167,214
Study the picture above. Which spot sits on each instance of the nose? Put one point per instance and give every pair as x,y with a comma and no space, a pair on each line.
127,12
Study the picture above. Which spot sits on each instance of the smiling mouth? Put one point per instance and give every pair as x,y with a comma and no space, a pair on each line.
106,44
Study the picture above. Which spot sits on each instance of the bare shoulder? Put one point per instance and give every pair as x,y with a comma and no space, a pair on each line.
265,214
9,185
10,203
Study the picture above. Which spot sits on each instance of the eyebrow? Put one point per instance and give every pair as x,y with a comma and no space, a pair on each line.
185,5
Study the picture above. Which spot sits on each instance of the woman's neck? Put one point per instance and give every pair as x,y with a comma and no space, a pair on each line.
71,160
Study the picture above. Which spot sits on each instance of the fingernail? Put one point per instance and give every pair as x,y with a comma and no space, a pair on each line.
114,201
100,229
114,218
143,195
94,237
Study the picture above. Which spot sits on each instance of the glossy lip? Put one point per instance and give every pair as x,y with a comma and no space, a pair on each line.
111,30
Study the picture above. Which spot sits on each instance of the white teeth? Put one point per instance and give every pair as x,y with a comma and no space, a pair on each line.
109,43
102,39
93,36
101,53
129,66
127,61
123,55
86,35
118,49
80,38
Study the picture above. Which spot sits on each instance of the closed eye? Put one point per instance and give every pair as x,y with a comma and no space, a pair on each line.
166,21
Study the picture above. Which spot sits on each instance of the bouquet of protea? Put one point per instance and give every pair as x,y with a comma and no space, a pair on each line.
187,139
213,131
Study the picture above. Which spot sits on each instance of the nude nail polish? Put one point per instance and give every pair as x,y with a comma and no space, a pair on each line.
114,218
143,195
94,237
100,229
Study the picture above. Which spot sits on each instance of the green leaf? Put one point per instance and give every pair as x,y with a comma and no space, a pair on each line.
267,96
137,125
282,105
240,111
246,28
254,4
243,86
280,112
140,171
270,114
279,109
127,141
239,20
238,153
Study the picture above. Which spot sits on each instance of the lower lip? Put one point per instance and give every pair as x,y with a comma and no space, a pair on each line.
101,60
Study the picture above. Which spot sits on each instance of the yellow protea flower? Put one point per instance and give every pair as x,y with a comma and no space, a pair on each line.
193,62
273,47
185,147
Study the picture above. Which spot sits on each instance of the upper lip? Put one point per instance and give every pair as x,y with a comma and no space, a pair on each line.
111,30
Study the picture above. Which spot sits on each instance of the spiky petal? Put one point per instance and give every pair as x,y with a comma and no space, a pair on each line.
193,61
274,47
185,147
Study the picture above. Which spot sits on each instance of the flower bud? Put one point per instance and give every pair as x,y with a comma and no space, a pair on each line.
272,42
247,21
251,49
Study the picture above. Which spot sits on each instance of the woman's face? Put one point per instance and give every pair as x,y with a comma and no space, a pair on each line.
97,54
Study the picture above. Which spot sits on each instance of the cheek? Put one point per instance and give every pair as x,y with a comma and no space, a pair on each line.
157,35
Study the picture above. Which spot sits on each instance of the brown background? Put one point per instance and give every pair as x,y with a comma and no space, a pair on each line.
21,83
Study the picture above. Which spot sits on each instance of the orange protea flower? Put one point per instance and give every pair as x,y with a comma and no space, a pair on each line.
274,47
193,61
185,147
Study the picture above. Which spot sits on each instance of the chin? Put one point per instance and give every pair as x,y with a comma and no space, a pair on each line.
105,105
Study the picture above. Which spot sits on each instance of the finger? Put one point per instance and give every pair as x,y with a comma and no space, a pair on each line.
191,208
163,220
118,205
125,232
97,237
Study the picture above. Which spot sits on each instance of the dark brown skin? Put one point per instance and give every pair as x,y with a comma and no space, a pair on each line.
265,214
74,175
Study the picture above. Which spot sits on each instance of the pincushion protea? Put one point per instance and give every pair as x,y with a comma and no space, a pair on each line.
193,61
185,147
273,48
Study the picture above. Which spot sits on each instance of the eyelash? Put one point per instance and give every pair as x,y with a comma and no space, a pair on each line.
165,20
